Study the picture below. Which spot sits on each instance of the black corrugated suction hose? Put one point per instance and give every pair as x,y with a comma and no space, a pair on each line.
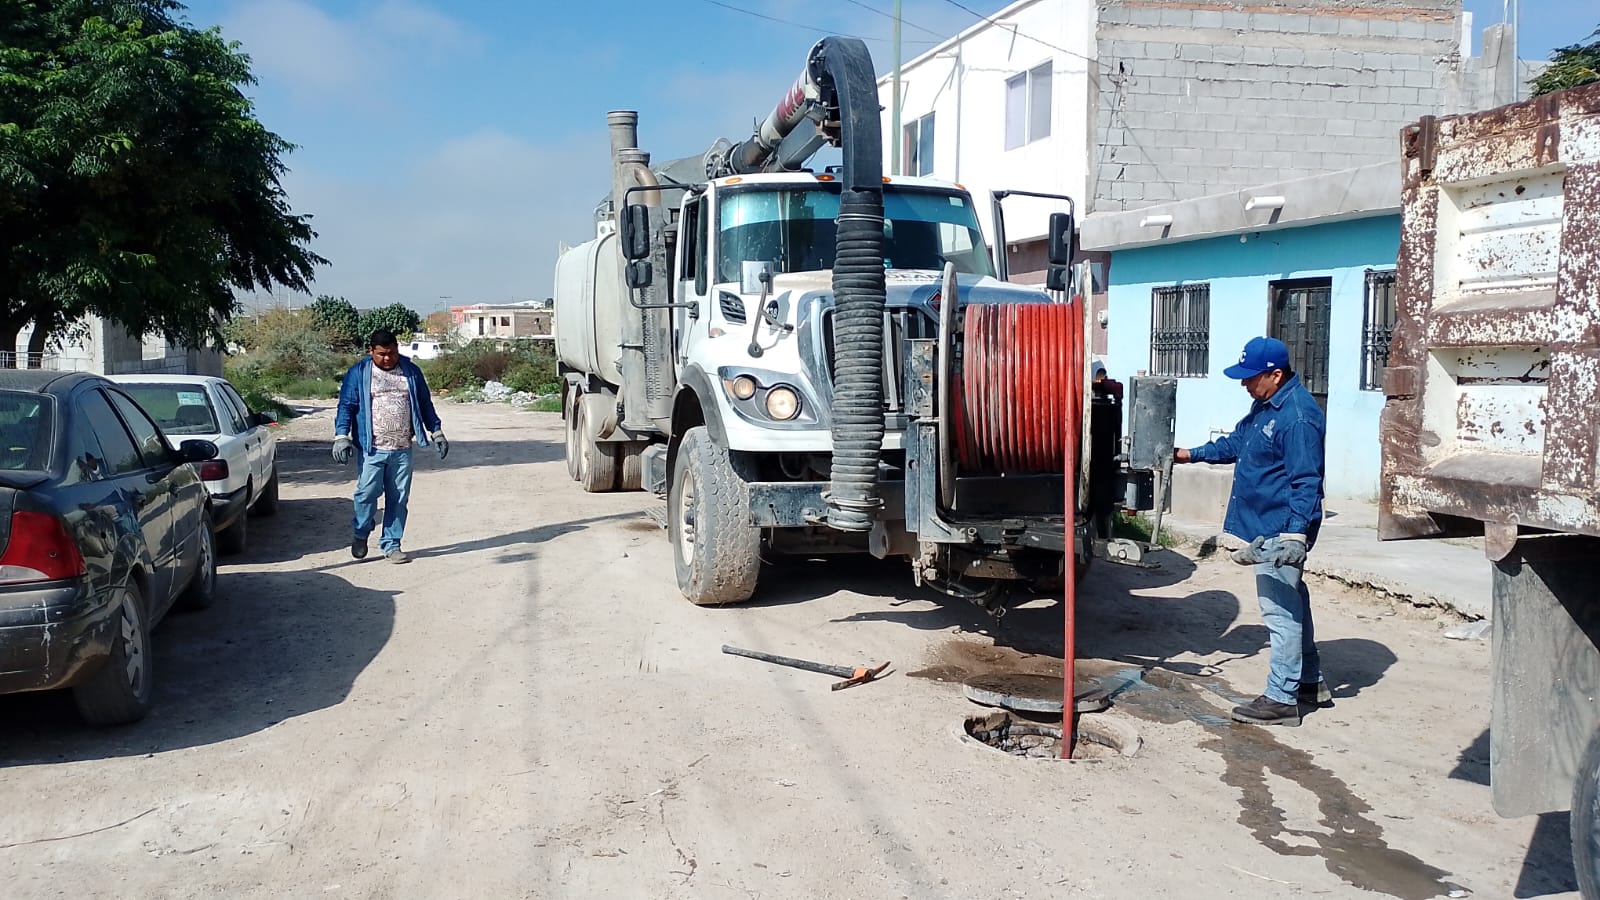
858,290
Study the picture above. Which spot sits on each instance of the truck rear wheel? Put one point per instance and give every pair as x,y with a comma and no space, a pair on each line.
716,551
630,465
597,466
1586,821
570,417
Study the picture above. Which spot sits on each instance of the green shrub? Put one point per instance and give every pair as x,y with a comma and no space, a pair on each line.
546,404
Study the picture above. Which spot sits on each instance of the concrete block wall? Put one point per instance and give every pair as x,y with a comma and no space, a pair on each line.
1196,97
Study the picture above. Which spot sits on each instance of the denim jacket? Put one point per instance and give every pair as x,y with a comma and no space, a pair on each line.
355,399
1278,452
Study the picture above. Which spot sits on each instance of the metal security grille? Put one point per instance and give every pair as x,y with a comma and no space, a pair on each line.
1180,330
1378,328
1300,313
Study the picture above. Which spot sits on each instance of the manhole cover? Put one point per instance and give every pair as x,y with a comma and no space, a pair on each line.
1033,693
1099,737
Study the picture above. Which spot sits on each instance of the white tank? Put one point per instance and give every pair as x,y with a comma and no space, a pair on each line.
590,300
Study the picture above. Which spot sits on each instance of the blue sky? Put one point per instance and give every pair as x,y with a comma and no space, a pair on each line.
446,148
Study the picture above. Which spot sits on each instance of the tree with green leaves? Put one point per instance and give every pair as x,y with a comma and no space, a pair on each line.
136,183
397,317
338,319
1570,66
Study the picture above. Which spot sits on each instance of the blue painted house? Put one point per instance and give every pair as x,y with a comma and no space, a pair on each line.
1309,261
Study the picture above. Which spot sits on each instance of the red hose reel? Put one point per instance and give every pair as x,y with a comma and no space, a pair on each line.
1019,395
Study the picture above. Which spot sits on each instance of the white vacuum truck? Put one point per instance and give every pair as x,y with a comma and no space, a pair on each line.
818,362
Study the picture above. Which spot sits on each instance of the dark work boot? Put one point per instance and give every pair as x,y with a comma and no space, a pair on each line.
358,547
1315,694
1266,711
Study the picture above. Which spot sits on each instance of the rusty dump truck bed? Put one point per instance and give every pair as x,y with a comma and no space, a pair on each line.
1493,376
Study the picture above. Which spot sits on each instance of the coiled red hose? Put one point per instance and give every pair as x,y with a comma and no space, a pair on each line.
1020,397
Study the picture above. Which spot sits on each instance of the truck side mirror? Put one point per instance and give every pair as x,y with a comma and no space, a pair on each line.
1061,239
639,274
635,232
1055,278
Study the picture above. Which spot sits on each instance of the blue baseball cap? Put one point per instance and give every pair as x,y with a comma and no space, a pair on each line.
1262,354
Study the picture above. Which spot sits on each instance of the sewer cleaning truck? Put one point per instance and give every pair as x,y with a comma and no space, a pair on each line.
1491,425
824,361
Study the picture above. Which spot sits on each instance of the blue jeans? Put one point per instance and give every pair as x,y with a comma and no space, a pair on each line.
1286,610
386,472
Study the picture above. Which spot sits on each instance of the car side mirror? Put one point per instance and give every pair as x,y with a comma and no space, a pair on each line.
1061,239
196,450
263,419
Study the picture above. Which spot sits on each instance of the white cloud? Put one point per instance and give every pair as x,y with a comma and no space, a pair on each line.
480,219
296,45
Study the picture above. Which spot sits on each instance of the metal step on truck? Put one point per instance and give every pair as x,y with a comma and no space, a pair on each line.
827,361
1492,422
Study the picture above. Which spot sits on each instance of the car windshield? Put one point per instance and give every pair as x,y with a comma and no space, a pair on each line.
177,408
25,429
795,229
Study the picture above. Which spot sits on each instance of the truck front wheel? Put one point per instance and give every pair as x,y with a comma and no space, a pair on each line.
716,550
1586,821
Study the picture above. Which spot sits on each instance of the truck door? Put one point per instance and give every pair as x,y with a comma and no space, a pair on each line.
693,262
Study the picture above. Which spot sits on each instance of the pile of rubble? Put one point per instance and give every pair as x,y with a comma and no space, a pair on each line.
495,392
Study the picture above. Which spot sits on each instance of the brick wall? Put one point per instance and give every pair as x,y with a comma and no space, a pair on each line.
1197,97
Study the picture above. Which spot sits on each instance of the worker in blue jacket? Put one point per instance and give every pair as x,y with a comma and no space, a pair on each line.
384,406
1276,506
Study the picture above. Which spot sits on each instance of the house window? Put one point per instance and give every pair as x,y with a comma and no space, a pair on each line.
480,326
1180,330
1378,329
505,321
919,146
1028,106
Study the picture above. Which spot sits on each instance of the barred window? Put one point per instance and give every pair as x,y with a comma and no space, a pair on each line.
1180,330
1378,328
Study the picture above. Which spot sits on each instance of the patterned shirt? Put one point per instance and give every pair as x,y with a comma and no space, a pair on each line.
391,410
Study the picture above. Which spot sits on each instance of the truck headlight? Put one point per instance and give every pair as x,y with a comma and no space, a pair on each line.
743,387
783,403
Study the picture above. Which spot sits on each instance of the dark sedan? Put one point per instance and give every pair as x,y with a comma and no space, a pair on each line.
103,529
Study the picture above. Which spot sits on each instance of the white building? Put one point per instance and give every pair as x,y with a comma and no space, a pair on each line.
1004,105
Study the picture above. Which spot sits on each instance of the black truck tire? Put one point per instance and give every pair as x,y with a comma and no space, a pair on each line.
1586,820
570,415
630,465
597,464
715,549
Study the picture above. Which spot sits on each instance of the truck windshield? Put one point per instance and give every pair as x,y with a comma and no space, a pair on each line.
795,230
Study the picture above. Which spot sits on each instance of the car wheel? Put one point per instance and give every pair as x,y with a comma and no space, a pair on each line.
202,589
119,692
233,538
268,504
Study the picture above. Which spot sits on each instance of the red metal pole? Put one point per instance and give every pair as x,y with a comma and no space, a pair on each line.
1072,385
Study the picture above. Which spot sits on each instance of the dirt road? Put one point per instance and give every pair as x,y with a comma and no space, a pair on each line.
530,710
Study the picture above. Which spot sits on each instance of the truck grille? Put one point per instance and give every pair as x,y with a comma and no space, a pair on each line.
898,325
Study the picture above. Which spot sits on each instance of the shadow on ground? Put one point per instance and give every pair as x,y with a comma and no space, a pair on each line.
276,645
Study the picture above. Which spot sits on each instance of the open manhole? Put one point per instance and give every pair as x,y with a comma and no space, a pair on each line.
1033,693
1099,737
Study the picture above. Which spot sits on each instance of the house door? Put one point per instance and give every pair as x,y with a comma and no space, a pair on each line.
1301,310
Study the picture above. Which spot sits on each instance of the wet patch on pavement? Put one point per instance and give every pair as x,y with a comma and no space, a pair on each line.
1349,842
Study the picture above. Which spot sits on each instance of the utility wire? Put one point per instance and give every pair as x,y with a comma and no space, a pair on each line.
1020,33
873,9
758,15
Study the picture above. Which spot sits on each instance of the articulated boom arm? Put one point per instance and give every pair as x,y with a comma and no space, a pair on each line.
838,94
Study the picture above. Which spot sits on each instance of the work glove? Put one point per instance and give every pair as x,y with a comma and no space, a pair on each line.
1251,555
343,449
1291,550
443,445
